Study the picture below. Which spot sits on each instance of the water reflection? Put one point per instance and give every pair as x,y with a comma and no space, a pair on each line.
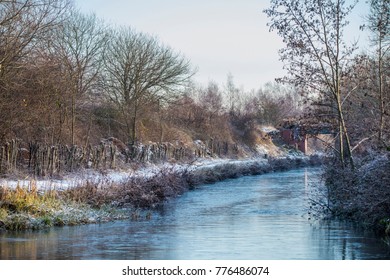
341,240
260,217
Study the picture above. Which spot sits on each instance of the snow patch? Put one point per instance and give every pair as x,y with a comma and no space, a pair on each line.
117,176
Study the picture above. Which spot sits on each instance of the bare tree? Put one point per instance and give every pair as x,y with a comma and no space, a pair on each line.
210,99
232,94
23,24
315,53
378,22
78,45
139,70
275,103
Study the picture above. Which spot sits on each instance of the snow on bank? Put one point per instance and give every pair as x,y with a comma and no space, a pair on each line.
202,171
117,176
148,171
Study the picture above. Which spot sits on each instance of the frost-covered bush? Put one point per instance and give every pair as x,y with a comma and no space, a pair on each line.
362,194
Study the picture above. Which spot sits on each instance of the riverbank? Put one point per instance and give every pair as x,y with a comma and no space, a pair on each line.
361,195
111,196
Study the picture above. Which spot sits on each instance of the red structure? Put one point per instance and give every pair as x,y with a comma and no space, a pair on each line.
291,136
306,137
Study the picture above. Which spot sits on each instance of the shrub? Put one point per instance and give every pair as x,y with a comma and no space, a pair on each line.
362,194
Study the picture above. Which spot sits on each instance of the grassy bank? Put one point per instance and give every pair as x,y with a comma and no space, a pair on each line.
24,208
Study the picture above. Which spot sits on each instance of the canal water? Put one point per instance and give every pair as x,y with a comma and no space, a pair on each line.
256,217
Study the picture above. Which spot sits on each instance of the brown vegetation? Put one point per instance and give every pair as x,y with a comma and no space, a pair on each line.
77,93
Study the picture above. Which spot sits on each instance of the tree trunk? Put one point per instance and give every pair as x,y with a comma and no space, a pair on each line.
134,126
73,117
381,97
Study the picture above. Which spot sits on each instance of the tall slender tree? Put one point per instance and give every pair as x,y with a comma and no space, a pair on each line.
316,55
378,22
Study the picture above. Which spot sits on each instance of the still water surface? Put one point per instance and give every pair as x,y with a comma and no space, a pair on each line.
258,217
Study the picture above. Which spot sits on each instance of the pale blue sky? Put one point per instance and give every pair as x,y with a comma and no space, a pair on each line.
218,36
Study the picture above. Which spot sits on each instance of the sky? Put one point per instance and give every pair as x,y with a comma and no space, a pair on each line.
218,36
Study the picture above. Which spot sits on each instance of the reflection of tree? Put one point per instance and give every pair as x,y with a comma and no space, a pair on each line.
15,246
337,240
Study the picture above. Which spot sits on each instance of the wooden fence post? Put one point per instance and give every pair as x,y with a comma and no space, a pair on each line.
112,155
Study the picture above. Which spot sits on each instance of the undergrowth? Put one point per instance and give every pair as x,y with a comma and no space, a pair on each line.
361,195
